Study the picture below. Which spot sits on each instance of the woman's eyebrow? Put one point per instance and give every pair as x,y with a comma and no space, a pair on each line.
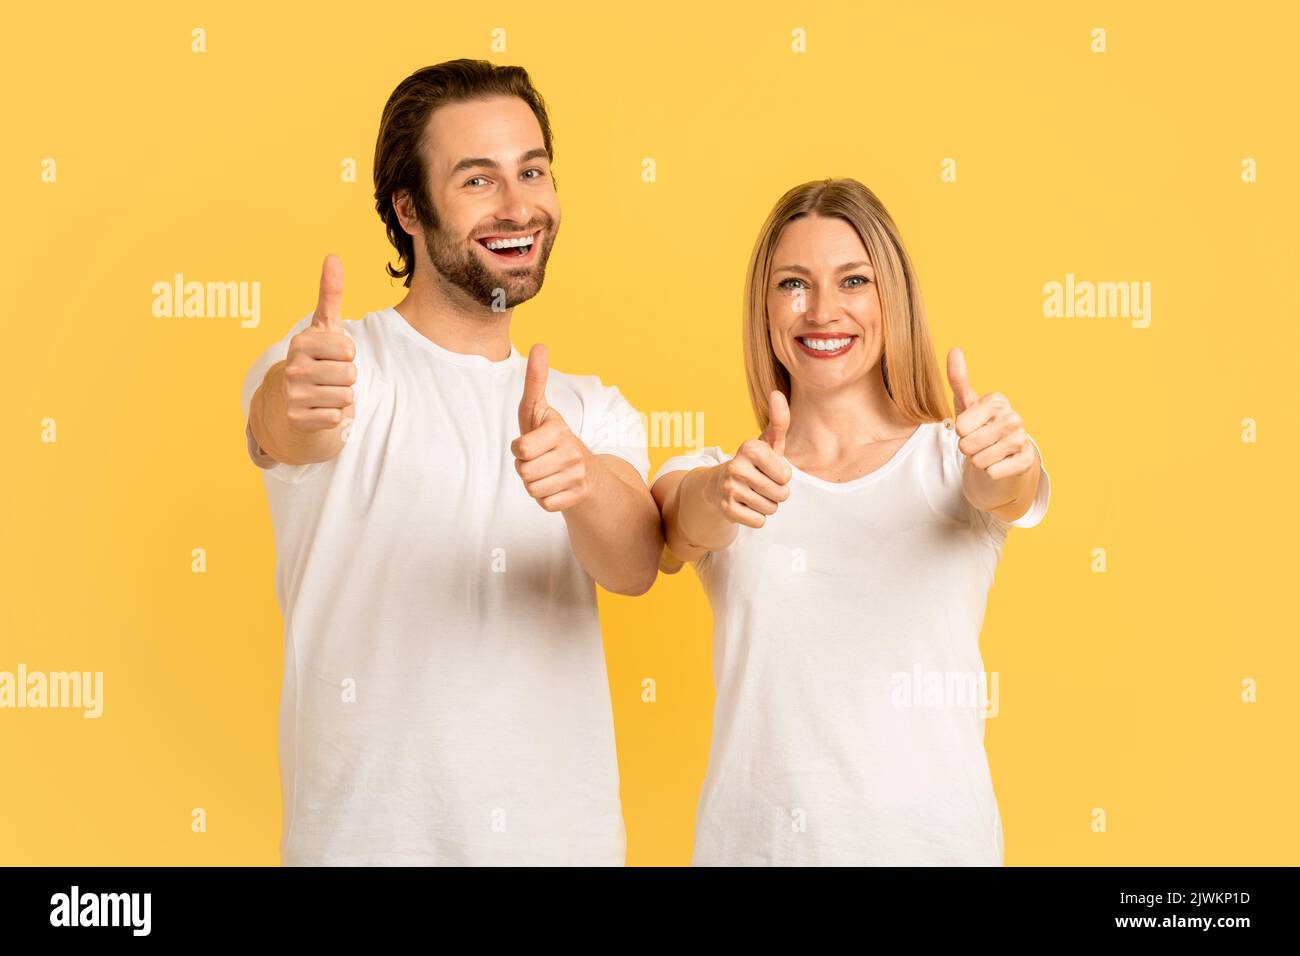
843,268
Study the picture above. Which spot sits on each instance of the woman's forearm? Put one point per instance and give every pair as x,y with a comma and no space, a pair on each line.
693,525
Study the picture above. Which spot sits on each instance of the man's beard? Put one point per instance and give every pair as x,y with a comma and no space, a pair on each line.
496,289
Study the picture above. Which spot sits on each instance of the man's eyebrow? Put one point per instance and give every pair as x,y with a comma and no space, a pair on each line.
844,268
482,162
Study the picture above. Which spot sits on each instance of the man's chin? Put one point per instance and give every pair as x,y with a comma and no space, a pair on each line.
517,292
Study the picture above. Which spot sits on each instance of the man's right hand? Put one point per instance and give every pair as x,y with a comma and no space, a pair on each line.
748,487
319,370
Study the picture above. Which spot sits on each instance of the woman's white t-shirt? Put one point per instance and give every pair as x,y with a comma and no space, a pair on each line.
445,698
849,722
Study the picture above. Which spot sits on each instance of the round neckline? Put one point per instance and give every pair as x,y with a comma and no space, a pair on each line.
408,331
870,477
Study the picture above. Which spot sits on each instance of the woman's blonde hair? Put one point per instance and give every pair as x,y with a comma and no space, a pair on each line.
907,363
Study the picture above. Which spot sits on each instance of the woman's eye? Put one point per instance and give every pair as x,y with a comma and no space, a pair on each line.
786,283
864,280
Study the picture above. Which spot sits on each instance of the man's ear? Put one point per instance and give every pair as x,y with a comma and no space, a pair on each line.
401,200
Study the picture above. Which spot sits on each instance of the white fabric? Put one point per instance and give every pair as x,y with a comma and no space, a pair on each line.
848,597
418,577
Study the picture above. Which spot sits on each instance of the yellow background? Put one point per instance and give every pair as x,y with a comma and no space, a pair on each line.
1118,691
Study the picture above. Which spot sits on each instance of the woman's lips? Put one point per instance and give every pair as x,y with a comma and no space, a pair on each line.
825,352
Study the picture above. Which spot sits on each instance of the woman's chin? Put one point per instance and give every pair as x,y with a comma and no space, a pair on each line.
823,376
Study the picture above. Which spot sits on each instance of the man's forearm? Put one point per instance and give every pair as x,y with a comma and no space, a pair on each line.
277,436
615,533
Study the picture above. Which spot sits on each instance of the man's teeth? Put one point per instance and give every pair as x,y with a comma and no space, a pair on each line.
826,345
509,243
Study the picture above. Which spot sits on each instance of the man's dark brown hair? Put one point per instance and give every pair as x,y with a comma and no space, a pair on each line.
398,164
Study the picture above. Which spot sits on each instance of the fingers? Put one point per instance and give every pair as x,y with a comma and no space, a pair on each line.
742,514
321,396
988,434
766,460
325,345
314,419
554,483
537,442
329,303
551,462
532,408
325,372
1014,464
963,396
773,490
778,421
1012,445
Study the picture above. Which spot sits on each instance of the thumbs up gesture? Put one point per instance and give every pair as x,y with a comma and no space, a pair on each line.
319,370
991,435
552,461
748,487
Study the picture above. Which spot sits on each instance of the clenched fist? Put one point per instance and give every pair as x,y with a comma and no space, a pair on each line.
991,435
553,462
748,487
319,370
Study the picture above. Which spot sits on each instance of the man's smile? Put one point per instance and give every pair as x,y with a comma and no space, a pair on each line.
515,248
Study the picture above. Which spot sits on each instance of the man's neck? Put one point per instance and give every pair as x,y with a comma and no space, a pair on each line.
456,324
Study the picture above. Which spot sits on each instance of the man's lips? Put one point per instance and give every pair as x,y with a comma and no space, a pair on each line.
825,345
511,254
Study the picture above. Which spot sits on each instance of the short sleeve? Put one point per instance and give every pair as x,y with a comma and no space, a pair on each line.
705,458
611,426
253,379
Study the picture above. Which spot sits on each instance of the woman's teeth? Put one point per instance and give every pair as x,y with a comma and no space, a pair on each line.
826,345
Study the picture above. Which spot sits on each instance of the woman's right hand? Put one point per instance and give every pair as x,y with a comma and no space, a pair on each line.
748,487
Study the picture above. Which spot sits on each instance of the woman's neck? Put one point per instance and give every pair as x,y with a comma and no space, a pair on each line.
830,427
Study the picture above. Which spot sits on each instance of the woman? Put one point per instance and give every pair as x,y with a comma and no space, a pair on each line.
847,554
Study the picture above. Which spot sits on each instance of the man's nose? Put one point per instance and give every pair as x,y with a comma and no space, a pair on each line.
512,206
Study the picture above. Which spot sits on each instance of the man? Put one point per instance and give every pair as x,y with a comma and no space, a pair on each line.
441,508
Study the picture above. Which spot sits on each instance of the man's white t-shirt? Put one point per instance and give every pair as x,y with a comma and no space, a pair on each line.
445,698
849,722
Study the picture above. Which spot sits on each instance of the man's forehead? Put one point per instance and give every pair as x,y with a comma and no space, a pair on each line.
502,131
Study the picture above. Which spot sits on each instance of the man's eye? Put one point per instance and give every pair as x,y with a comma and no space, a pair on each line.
539,173
471,179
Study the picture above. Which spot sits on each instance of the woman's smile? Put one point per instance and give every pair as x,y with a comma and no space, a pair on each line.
825,345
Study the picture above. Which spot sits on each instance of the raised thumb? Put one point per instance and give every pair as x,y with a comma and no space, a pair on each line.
532,407
963,396
778,421
329,303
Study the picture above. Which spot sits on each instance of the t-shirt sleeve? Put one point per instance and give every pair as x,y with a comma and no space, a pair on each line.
253,379
611,426
705,458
